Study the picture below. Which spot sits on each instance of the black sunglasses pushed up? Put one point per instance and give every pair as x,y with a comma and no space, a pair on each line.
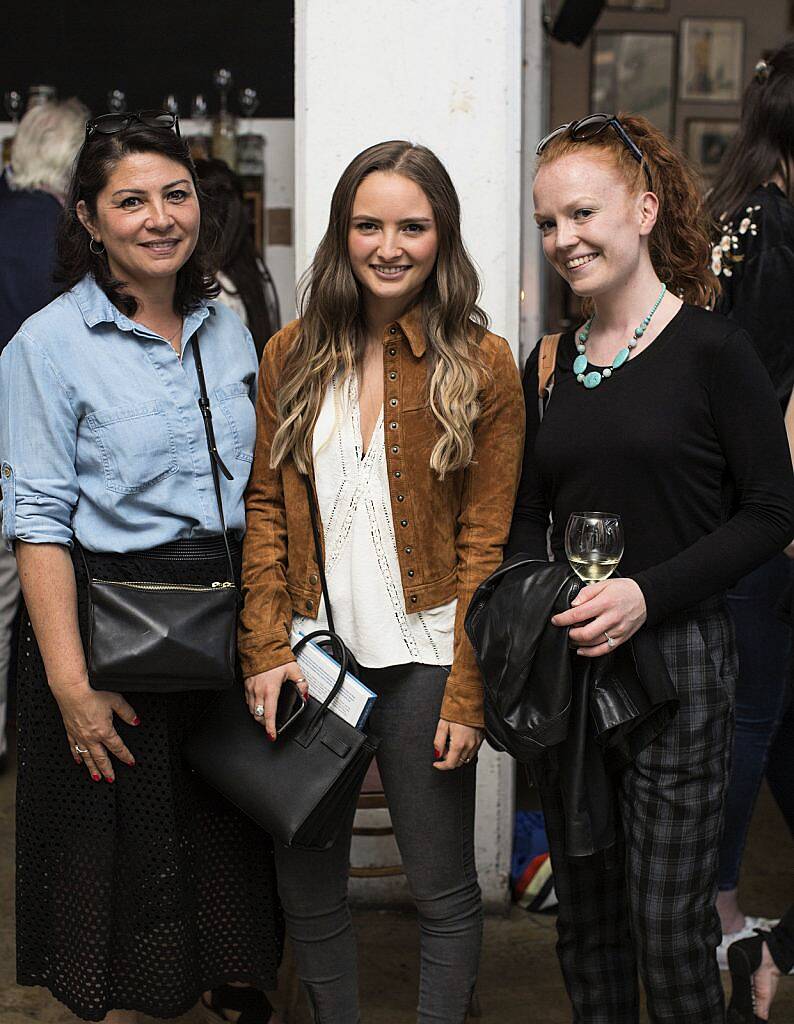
109,124
592,125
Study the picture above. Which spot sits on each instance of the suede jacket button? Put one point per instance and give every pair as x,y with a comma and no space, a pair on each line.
392,351
409,551
392,375
392,330
400,497
411,573
313,578
403,522
309,605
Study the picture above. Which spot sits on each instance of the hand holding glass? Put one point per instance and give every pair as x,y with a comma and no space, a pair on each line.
594,544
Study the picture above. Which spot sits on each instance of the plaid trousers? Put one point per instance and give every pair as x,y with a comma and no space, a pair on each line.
647,906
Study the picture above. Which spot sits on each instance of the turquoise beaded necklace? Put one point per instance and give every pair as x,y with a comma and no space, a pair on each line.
593,378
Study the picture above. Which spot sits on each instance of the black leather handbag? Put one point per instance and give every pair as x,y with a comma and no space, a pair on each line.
299,787
166,637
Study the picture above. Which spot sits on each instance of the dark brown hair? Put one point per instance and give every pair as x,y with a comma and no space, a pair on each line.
680,243
235,253
93,165
764,144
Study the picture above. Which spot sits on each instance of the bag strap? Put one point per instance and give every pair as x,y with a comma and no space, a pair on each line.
547,363
318,550
215,459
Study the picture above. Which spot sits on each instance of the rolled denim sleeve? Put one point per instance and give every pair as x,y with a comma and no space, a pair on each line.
38,440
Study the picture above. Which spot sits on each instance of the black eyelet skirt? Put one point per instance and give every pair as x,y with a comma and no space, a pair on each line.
143,893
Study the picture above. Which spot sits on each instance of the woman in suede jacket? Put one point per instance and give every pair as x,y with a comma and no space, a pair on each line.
407,417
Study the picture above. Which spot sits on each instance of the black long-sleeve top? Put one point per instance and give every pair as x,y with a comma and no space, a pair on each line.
685,441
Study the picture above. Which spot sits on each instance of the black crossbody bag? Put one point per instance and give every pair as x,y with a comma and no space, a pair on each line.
299,787
166,637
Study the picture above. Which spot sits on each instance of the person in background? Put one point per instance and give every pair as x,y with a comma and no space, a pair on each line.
661,412
31,199
756,964
753,257
245,282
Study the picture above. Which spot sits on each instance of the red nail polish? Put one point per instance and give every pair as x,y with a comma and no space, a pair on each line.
108,779
95,777
437,753
136,720
131,764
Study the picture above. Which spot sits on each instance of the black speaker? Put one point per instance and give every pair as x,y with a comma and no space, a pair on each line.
575,20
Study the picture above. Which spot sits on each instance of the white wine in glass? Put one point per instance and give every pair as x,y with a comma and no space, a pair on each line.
594,544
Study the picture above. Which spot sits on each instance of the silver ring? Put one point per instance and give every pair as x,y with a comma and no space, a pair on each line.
259,711
610,641
466,760
79,749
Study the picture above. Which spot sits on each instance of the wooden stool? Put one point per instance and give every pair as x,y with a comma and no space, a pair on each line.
372,797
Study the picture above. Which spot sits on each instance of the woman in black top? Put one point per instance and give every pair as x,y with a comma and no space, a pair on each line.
753,257
660,412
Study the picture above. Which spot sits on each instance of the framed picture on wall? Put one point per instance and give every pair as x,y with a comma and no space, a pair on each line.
634,72
712,51
640,5
706,142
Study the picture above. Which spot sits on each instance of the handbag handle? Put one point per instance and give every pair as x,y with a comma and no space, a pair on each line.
215,458
340,651
318,550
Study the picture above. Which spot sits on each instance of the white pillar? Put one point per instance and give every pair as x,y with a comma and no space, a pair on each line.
447,74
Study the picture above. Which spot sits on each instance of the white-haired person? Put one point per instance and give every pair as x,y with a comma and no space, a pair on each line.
31,199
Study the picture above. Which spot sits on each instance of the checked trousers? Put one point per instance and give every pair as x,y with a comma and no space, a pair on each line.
645,909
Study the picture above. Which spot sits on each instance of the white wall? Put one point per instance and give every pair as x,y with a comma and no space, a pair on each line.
447,74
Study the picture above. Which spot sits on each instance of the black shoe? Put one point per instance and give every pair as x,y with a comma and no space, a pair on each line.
744,959
251,1003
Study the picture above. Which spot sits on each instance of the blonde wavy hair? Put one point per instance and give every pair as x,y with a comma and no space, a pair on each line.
331,334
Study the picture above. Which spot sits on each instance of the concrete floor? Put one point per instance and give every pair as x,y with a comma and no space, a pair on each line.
519,980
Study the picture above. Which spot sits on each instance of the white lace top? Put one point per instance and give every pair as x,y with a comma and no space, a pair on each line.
361,561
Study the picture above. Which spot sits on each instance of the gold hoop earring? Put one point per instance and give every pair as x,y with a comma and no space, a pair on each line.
96,252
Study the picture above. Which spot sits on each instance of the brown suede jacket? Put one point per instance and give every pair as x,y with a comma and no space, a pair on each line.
450,533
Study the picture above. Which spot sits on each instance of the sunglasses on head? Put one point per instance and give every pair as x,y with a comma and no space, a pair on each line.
109,124
592,125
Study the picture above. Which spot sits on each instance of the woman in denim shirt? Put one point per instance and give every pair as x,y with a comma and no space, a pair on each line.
137,889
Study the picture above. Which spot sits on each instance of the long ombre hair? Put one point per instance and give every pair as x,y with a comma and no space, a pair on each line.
680,243
331,334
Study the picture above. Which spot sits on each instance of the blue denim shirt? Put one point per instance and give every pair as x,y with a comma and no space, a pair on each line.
101,436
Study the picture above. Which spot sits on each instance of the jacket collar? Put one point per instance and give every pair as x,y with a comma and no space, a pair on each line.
96,308
412,326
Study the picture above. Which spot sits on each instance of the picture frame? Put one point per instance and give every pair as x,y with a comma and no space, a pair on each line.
639,5
706,139
711,59
634,72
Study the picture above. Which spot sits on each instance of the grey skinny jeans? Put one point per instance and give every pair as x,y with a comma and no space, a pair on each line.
433,817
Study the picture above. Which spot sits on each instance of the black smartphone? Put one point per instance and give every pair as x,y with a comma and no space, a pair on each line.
290,705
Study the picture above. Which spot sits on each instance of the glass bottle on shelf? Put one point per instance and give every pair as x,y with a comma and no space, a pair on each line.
199,140
41,94
12,102
224,128
250,146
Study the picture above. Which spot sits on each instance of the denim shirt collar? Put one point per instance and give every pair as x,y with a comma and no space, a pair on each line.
96,308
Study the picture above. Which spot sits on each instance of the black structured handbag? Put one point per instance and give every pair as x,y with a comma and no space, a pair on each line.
299,787
166,637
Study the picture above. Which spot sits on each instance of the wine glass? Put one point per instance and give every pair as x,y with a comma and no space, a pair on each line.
594,544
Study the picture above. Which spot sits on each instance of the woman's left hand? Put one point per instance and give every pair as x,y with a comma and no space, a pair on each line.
614,609
455,745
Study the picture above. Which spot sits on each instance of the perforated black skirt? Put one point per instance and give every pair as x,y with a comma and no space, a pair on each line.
141,894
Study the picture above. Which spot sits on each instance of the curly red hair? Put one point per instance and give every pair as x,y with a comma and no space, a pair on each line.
680,243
